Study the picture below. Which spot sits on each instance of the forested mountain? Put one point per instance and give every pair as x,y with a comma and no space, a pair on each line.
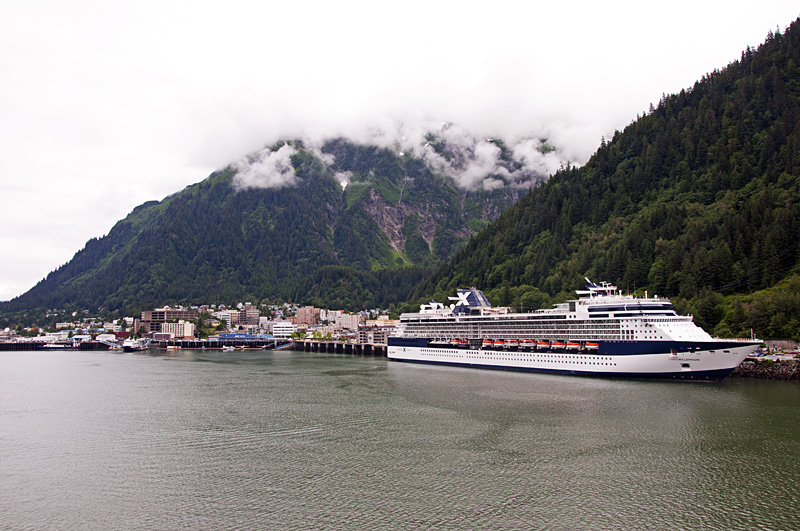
309,224
699,200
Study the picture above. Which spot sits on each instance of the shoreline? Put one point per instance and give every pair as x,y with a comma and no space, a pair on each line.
768,369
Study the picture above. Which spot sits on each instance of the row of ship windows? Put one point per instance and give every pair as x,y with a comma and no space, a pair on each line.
554,358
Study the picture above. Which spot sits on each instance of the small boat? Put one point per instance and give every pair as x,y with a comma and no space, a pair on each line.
512,343
590,345
54,346
136,345
573,345
558,344
487,343
226,348
498,343
542,344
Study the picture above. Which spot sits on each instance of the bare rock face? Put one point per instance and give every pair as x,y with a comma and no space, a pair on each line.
388,217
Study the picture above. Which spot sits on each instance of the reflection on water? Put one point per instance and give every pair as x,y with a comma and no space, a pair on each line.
289,440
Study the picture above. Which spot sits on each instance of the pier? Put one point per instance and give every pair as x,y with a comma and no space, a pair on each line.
337,347
238,343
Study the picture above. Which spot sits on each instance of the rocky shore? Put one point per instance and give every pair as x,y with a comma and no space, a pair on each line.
769,369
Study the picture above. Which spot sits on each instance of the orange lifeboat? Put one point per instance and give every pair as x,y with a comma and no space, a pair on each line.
542,344
573,345
592,346
558,344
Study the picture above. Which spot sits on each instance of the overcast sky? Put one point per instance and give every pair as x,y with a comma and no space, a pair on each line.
105,104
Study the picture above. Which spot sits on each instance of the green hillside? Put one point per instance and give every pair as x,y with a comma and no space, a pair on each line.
311,242
699,200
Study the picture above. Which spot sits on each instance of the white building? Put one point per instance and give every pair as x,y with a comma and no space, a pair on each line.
347,321
283,329
225,315
329,315
179,329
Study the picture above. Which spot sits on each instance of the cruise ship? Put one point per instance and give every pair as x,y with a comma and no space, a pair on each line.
601,333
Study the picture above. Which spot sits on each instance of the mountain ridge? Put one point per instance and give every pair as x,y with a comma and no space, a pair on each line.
698,200
281,224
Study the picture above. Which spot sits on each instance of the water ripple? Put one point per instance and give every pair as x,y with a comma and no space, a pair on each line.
292,441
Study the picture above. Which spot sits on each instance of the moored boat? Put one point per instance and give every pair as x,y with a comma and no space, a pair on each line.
602,333
136,345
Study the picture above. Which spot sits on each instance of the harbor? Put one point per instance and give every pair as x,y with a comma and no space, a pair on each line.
206,439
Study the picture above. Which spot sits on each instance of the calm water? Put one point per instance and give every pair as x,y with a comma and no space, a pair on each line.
289,440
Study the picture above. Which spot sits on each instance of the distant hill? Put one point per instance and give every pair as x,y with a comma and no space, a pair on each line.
295,222
699,199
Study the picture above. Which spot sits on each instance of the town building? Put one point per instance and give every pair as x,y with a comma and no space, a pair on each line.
179,329
308,315
249,315
152,320
374,335
283,329
346,321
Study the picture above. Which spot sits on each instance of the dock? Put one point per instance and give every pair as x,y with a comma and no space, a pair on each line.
238,343
338,347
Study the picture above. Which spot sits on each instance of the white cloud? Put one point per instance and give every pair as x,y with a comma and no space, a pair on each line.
104,105
343,178
266,169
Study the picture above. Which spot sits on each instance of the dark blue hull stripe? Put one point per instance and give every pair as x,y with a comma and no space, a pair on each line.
706,376
627,348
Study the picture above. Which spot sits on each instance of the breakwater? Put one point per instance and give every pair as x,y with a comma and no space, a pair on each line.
788,370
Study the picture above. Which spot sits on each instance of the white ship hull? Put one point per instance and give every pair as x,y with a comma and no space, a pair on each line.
708,364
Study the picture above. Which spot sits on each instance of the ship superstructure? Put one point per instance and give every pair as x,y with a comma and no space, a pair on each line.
603,332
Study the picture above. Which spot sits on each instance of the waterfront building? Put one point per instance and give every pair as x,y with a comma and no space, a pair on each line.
374,335
382,320
179,329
